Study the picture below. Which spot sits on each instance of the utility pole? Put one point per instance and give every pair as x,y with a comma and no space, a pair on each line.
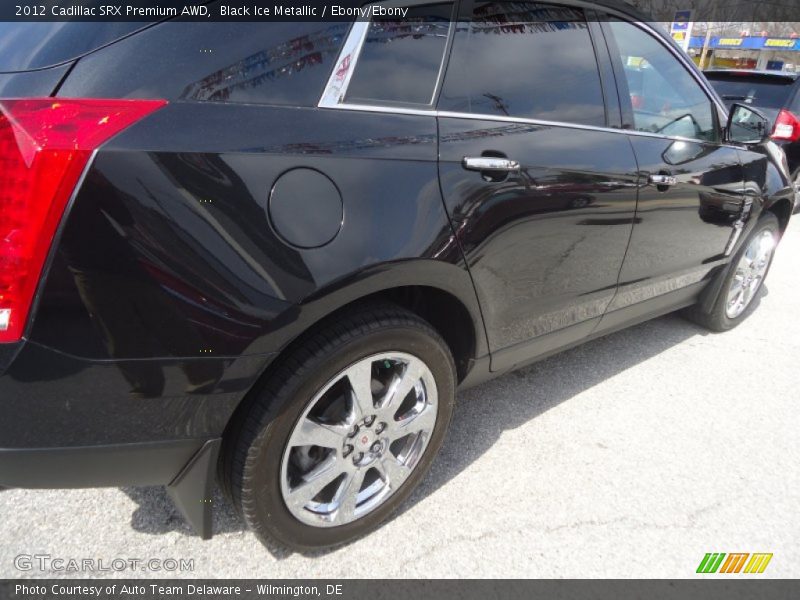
706,43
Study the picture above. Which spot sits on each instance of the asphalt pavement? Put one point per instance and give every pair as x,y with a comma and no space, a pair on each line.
630,456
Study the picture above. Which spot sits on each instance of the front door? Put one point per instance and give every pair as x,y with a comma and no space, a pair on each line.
692,184
541,193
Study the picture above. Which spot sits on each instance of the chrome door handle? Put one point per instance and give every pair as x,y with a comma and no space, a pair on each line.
662,179
489,163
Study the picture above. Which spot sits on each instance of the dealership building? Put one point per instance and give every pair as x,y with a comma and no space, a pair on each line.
748,52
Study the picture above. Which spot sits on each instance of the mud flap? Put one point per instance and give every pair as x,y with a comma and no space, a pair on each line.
192,489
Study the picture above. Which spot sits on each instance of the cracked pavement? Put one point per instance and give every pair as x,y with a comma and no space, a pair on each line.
630,456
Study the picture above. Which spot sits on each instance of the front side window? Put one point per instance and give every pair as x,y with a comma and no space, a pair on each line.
401,59
526,60
665,98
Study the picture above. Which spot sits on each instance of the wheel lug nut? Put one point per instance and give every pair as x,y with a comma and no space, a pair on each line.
353,431
376,448
369,421
347,450
380,428
358,457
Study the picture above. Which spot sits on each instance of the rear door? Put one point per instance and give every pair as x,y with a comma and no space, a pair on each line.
691,197
544,232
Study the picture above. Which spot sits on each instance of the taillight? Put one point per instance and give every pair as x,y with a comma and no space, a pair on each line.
45,144
787,127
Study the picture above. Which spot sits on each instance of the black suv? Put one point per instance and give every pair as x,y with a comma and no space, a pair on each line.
273,251
777,95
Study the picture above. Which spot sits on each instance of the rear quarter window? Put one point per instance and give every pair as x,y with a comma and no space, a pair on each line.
267,63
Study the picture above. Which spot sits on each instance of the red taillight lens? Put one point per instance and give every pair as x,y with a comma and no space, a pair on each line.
787,127
45,144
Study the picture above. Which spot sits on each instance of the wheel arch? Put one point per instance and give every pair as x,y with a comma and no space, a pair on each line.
782,209
441,293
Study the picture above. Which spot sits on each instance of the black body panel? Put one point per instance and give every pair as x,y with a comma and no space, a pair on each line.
179,226
169,292
27,46
792,152
118,402
96,465
545,245
681,231
8,353
33,84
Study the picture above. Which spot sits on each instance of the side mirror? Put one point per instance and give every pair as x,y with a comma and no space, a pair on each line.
746,125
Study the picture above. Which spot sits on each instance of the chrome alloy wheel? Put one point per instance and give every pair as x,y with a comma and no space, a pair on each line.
359,439
749,274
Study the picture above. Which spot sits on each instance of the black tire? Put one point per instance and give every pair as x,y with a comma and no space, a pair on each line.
253,455
716,319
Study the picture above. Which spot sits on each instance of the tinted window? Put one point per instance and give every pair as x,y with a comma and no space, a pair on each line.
256,63
26,46
270,62
401,60
664,96
764,92
524,59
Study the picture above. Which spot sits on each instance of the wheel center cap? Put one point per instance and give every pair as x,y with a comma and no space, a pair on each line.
364,441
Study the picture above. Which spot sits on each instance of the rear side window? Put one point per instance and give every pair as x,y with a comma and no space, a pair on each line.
772,92
525,59
401,59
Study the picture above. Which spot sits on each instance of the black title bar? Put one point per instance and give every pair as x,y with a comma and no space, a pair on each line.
344,10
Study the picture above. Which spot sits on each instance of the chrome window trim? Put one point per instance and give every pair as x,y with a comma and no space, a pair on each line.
451,33
383,108
336,89
446,114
